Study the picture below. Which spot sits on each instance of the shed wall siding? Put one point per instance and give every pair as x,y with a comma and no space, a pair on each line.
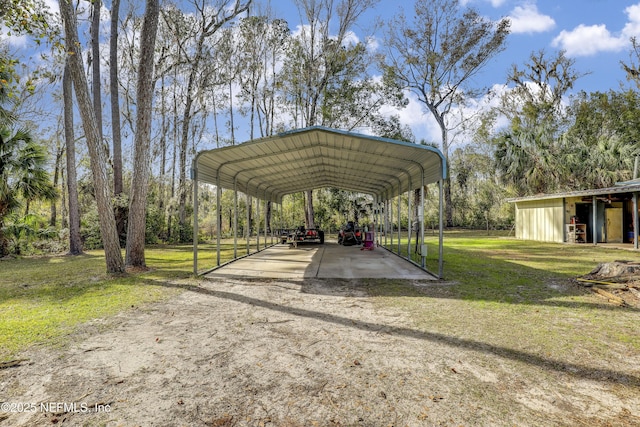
541,220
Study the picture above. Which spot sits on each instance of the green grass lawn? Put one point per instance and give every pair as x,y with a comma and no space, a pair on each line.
514,294
493,287
42,299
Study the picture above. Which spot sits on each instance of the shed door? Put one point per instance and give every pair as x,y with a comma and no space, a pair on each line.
614,225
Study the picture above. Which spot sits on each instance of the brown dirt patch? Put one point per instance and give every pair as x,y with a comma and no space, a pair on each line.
291,353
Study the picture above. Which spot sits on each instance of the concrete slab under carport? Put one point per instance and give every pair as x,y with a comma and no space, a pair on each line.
328,260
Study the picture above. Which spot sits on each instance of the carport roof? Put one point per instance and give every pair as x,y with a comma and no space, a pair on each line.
317,157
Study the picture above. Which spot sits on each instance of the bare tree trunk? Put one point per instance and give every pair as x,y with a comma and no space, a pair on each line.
75,242
308,210
231,123
184,145
56,176
182,174
170,230
136,225
64,222
118,187
97,154
95,64
163,148
448,206
210,25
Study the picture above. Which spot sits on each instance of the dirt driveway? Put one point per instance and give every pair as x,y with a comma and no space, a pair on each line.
318,352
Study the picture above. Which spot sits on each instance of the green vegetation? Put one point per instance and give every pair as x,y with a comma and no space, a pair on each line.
513,294
42,299
510,295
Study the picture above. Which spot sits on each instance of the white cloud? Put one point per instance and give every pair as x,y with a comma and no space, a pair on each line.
632,28
425,127
350,39
586,40
494,3
372,44
22,41
15,41
422,124
527,19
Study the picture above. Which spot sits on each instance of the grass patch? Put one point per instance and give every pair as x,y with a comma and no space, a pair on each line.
517,295
498,291
43,299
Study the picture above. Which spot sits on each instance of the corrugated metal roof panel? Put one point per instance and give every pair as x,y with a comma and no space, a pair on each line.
629,187
316,157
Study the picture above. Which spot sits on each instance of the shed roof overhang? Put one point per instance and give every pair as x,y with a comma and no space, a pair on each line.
620,188
318,157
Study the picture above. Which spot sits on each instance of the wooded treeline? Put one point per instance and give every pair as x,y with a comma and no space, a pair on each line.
122,116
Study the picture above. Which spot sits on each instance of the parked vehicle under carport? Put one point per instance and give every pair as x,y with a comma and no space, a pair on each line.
303,235
350,234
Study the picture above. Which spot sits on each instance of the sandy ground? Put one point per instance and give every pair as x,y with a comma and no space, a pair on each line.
290,353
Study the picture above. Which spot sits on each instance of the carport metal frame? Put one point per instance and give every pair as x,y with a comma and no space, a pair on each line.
318,157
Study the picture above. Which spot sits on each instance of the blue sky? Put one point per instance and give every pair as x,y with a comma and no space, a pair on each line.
595,33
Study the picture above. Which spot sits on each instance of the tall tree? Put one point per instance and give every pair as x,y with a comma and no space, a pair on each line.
96,86
97,152
207,20
136,226
603,140
116,133
275,33
57,172
75,241
262,44
632,68
436,56
253,32
529,152
23,175
321,58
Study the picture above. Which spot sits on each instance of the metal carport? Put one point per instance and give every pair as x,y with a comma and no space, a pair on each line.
318,157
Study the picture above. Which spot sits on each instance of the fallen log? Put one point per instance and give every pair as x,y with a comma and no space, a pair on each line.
610,285
611,297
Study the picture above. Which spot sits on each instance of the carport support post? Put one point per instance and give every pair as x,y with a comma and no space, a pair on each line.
441,231
423,256
391,221
235,219
266,204
257,224
377,226
382,214
248,224
399,228
636,222
194,172
280,220
218,220
409,225
380,221
595,219
386,220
